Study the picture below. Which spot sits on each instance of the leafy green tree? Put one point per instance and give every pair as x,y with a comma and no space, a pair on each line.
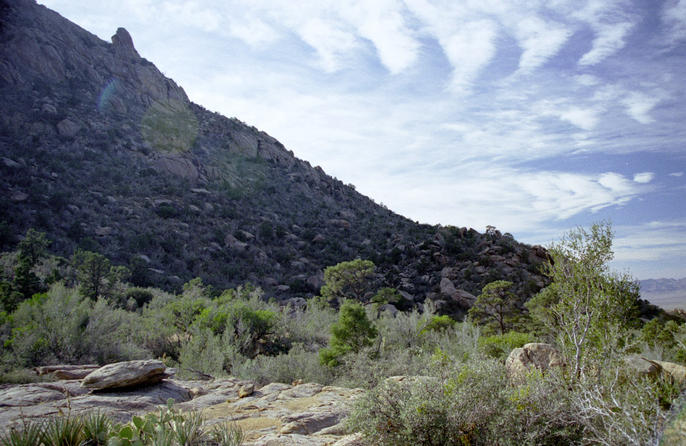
34,246
495,307
95,273
589,307
25,282
348,280
350,333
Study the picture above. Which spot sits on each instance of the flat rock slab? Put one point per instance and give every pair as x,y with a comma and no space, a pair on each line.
125,374
276,414
281,414
67,371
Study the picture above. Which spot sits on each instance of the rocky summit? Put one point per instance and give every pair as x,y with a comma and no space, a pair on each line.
103,152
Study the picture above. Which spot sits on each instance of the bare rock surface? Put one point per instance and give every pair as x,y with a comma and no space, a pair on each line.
125,374
276,414
536,355
66,371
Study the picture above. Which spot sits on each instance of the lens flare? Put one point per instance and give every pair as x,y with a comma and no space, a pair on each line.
106,95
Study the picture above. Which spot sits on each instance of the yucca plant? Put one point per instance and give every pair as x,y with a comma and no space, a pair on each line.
28,436
62,431
96,429
227,435
188,428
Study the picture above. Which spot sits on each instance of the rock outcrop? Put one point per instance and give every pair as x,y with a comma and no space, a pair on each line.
67,371
125,374
277,414
539,356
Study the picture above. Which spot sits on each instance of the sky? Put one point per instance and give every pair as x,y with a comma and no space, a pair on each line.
532,116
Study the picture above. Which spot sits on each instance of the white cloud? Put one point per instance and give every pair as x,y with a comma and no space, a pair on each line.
540,40
644,177
652,250
587,80
674,17
478,194
611,21
330,40
609,39
639,106
383,23
253,31
676,174
585,118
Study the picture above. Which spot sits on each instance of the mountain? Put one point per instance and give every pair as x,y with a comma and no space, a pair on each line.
103,152
666,293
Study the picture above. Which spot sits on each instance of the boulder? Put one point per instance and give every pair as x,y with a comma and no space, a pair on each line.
67,371
68,127
676,371
125,374
642,366
533,355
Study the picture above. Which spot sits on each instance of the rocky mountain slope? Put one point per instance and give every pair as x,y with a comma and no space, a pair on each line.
103,152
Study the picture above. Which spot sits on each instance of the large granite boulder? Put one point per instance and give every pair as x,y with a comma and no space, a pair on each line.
534,355
125,374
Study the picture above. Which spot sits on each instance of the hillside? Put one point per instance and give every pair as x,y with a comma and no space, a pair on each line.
103,152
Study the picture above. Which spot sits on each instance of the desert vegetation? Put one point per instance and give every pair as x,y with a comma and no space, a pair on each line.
456,388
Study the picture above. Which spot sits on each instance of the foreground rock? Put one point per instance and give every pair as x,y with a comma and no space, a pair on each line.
125,374
534,355
276,414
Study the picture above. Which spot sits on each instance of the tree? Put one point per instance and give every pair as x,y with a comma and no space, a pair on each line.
350,333
495,306
25,283
33,246
348,280
95,273
589,307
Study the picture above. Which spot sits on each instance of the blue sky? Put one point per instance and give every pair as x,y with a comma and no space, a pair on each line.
534,117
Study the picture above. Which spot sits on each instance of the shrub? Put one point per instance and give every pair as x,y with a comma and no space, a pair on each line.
298,364
500,346
432,411
438,323
351,333
63,326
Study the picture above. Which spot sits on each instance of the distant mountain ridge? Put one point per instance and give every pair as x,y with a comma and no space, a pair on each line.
666,293
103,152
663,285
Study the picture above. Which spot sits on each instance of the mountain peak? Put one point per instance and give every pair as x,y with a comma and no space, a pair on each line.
123,44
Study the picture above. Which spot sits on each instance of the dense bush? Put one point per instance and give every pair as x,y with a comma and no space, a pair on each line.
499,346
63,326
349,334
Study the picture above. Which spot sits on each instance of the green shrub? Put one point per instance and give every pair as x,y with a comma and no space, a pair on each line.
298,364
500,346
140,295
209,353
63,326
438,323
432,411
351,333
